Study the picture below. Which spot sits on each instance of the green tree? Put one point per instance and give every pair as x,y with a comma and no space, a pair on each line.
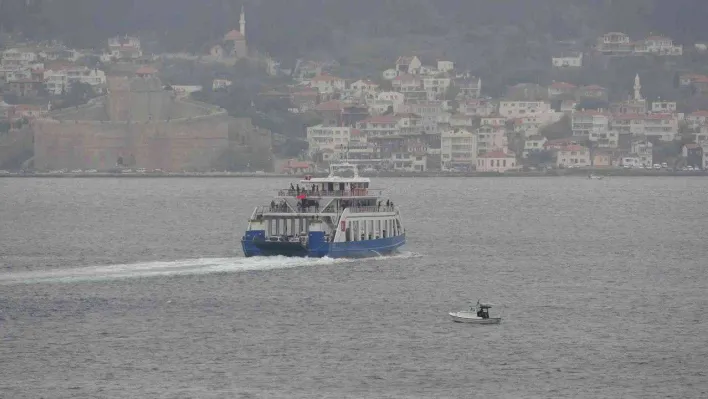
558,130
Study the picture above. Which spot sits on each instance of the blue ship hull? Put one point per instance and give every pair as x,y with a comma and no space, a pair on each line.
352,249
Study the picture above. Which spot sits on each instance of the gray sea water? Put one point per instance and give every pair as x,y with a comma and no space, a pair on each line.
137,288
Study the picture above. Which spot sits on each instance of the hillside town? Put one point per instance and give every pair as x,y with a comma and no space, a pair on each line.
419,115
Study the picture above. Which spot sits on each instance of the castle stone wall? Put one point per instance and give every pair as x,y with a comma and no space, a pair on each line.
170,146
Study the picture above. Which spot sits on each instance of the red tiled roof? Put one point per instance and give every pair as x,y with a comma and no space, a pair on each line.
562,85
325,78
692,146
333,105
146,70
573,147
406,77
408,115
700,113
355,132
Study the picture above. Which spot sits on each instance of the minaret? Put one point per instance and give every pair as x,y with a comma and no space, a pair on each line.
242,22
637,88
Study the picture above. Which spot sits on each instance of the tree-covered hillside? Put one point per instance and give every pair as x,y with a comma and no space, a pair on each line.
295,26
504,41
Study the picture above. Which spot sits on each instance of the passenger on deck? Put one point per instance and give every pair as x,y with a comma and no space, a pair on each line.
272,206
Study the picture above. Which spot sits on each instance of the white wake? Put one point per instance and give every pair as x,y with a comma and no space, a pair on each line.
176,268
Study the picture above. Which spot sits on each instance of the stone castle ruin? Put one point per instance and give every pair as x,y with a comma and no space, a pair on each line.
139,124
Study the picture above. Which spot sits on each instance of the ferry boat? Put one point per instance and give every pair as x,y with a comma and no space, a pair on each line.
338,216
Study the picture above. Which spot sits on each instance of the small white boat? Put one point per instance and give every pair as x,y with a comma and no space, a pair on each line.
478,314
595,177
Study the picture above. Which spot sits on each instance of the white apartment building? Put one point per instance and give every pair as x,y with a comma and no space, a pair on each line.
491,138
605,139
662,126
476,107
407,162
390,125
584,122
458,148
58,81
431,112
517,109
18,57
328,138
436,87
381,103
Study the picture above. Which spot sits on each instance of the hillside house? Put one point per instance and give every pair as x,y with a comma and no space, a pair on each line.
409,65
696,119
561,89
662,45
477,107
605,139
364,87
327,84
534,144
445,66
517,109
568,60
663,107
496,161
591,92
469,88
573,155
644,150
615,43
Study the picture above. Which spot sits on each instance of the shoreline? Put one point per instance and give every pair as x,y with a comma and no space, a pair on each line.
553,173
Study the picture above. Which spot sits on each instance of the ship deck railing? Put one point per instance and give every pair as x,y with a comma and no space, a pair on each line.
356,192
312,210
371,209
